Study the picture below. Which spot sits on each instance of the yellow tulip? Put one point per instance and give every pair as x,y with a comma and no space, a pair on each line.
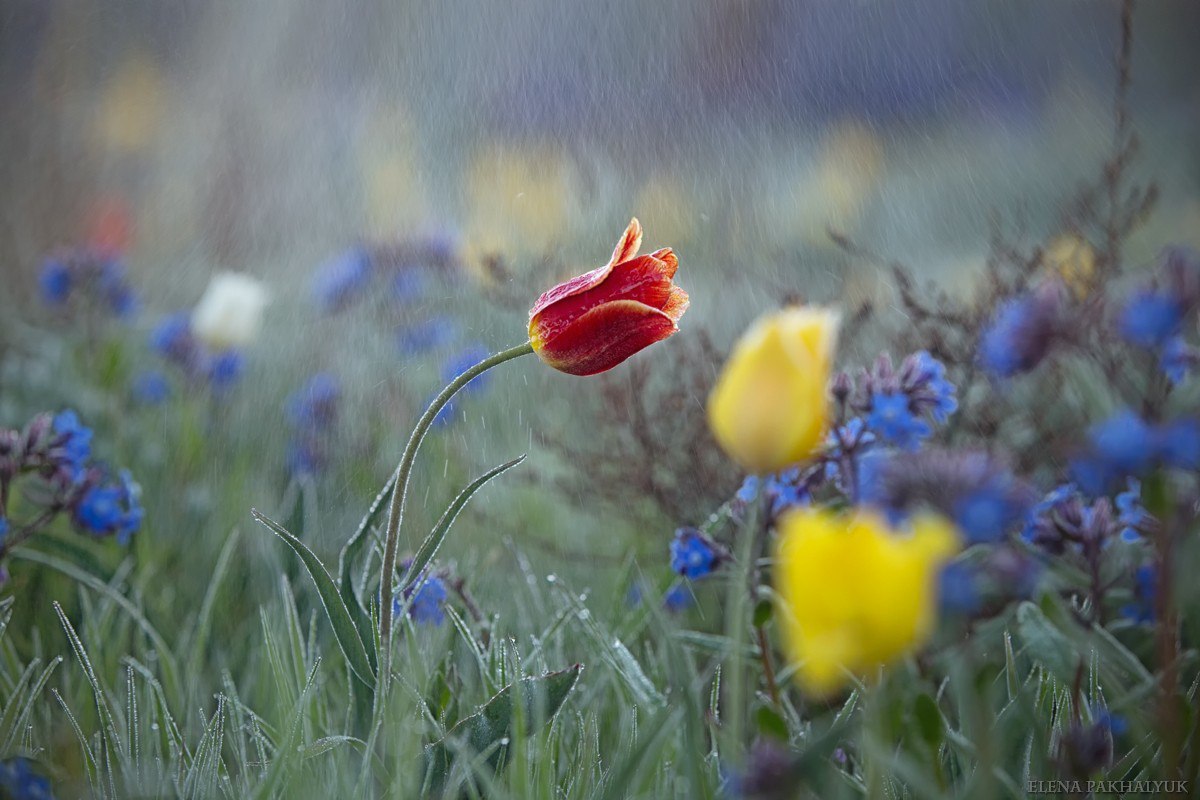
770,407
853,594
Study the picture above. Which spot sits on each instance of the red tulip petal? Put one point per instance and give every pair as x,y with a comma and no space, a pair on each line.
668,257
604,337
676,304
631,240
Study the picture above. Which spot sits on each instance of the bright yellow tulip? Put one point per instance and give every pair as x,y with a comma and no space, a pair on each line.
770,406
854,594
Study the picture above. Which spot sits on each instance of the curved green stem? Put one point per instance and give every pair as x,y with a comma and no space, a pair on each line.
400,492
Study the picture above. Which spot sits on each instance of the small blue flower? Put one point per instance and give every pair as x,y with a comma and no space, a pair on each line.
18,781
893,421
117,292
77,441
314,405
1006,347
225,369
1177,359
430,334
694,555
1060,494
786,491
99,510
958,589
341,279
1145,591
3,530
749,489
151,388
1151,318
940,392
55,282
1131,515
173,340
988,512
678,598
1179,443
426,606
304,457
1125,441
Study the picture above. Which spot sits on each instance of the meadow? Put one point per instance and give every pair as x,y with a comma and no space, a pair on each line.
747,508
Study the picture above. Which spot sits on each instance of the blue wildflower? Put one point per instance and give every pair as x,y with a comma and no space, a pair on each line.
1044,507
1122,445
76,441
989,510
678,598
3,530
225,369
339,280
1177,359
18,781
748,491
430,334
151,387
958,589
314,405
893,421
1179,443
783,490
1131,515
1022,332
99,510
426,606
695,555
1145,591
172,339
975,489
116,290
935,389
55,282
1150,318
786,490
304,456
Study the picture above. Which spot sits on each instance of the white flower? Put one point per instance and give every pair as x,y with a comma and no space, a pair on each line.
229,313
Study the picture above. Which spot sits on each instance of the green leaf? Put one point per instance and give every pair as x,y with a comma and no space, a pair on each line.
344,629
433,541
770,723
349,557
762,613
488,730
929,720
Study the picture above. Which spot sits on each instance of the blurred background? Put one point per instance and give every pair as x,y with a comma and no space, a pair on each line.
505,147
266,136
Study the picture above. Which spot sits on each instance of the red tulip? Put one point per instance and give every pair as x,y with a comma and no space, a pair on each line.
594,322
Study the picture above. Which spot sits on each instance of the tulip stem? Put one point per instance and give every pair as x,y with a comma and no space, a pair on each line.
399,494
